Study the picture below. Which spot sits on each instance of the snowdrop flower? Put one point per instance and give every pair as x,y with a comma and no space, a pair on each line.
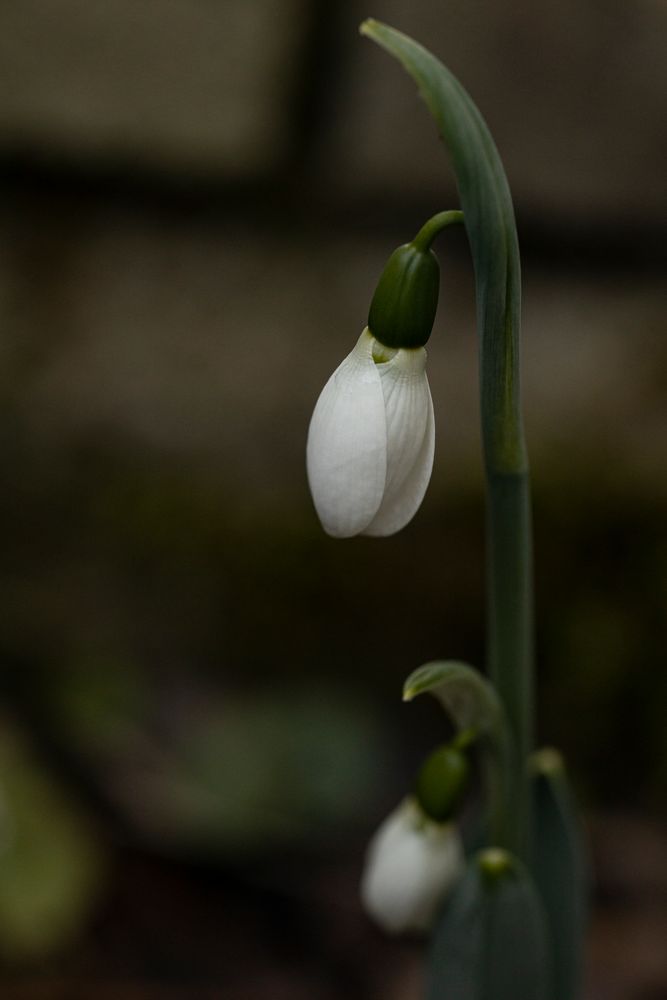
371,441
411,864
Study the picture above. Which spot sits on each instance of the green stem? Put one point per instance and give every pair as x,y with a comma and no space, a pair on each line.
510,632
435,225
509,555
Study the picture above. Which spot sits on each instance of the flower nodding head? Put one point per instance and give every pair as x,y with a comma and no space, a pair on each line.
371,441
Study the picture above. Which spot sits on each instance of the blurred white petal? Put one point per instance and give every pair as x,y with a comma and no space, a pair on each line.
411,865
347,444
410,440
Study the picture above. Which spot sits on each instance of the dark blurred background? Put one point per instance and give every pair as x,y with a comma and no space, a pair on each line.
201,720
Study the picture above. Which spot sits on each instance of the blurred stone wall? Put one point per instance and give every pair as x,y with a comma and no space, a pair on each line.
198,198
198,86
573,91
290,156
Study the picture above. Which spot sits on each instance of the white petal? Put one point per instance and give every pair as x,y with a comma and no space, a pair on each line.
411,864
347,444
410,440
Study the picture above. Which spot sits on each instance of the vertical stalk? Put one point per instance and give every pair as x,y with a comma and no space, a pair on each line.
509,636
509,551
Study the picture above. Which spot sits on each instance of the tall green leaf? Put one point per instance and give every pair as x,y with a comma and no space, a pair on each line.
489,221
560,869
491,943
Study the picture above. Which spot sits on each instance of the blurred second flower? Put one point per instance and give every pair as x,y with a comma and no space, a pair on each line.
411,865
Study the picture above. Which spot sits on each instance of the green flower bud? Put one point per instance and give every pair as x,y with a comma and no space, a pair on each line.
406,298
442,782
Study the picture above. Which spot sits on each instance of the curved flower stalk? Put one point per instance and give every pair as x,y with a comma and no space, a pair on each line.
491,229
411,865
371,441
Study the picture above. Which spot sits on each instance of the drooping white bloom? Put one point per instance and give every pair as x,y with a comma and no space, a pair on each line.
411,864
371,441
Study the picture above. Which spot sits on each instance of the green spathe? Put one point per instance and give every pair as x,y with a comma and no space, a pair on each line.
404,305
